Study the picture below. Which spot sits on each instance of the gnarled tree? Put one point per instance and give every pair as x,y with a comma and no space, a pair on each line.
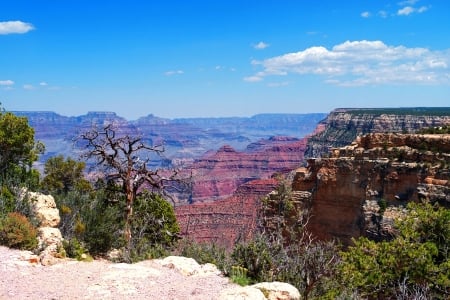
124,160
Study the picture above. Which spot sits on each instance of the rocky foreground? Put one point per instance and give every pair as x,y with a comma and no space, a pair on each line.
23,277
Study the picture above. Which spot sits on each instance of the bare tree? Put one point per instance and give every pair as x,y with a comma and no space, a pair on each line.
124,160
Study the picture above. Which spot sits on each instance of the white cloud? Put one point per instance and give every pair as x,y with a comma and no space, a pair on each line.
43,83
422,9
261,45
6,82
365,14
28,87
361,63
407,10
174,72
10,27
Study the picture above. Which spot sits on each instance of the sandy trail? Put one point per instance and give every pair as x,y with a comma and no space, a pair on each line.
101,280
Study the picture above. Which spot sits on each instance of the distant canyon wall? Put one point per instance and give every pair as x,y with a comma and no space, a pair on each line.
342,125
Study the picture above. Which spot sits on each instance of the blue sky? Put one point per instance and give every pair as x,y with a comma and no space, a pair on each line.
223,57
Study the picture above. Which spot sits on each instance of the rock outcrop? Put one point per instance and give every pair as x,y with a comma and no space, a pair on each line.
343,125
49,236
361,188
263,291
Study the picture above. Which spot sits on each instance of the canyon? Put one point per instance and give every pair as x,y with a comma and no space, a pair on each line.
354,184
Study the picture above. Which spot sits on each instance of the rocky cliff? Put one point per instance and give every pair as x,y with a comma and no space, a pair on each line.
225,221
361,188
218,175
343,125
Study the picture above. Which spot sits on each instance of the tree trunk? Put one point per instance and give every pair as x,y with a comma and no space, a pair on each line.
128,217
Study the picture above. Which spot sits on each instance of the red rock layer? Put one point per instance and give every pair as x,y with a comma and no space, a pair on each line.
226,221
218,175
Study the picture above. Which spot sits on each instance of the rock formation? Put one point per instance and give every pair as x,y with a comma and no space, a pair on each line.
49,236
218,175
361,188
343,125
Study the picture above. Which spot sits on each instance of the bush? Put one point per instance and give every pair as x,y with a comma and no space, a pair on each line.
75,249
17,232
205,253
154,228
417,260
256,257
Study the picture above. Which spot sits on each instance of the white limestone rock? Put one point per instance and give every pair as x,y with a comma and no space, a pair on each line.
241,293
188,266
278,290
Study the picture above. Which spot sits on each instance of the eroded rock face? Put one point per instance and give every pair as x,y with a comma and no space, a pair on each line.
49,236
218,175
360,189
225,221
342,126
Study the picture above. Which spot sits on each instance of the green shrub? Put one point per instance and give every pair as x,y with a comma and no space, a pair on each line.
205,253
257,257
239,275
75,249
154,228
16,231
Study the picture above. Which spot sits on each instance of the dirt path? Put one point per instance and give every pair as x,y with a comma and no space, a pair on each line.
101,280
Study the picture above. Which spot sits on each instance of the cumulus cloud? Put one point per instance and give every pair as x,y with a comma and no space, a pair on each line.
43,83
174,72
261,45
359,63
28,87
407,10
6,82
10,27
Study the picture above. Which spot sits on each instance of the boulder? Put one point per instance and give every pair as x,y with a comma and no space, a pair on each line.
44,208
278,290
188,266
242,293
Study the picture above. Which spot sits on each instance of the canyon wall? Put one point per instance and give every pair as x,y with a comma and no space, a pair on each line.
184,139
343,125
227,221
217,175
361,188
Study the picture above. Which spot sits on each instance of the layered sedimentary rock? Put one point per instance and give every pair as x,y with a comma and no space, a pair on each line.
184,139
361,188
343,125
225,221
218,175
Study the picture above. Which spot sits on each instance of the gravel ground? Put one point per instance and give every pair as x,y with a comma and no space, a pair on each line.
101,279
